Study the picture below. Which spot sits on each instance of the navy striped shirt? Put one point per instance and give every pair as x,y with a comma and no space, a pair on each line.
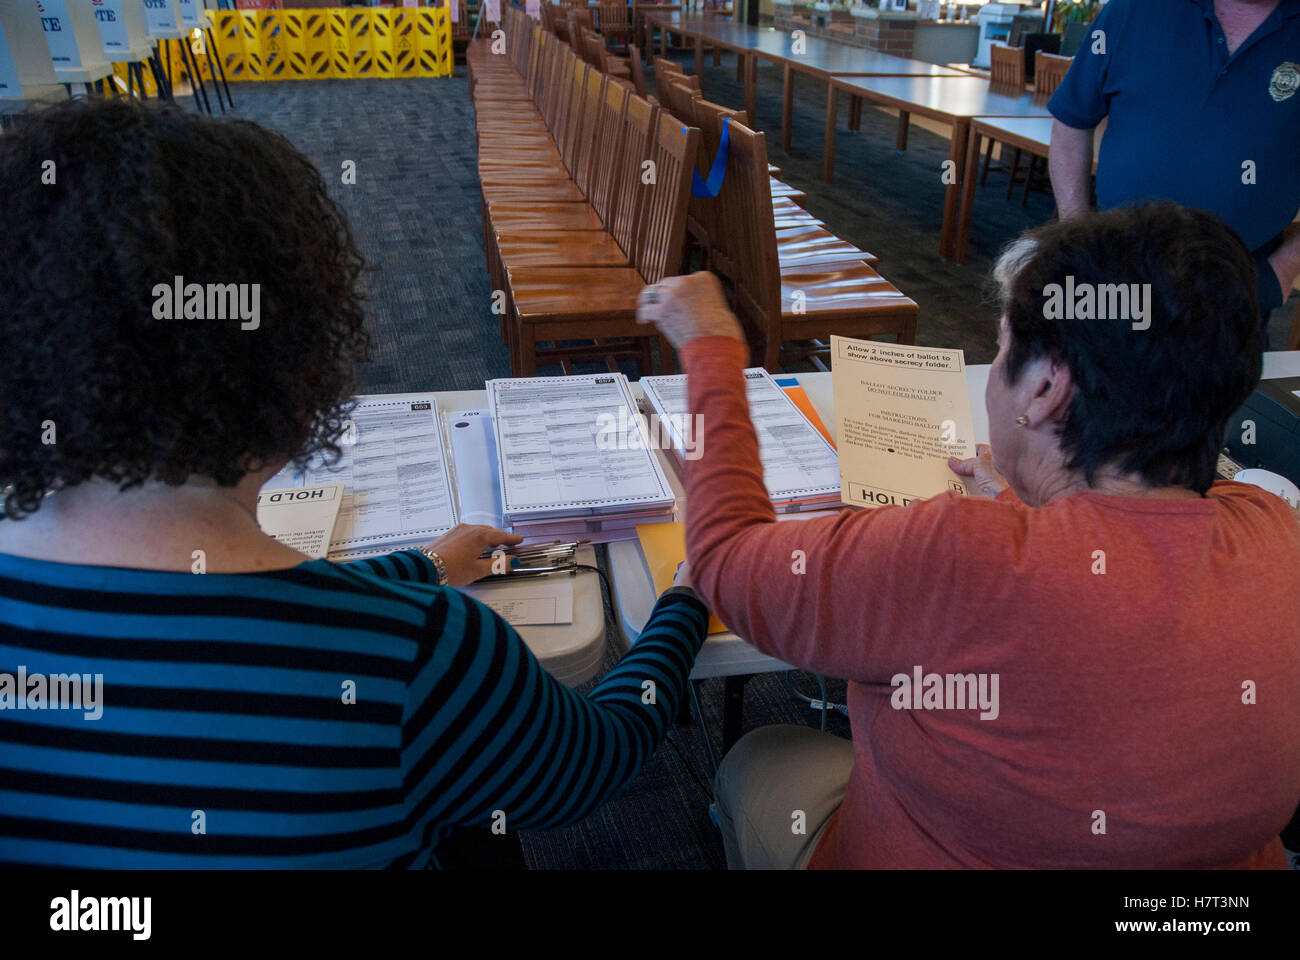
227,740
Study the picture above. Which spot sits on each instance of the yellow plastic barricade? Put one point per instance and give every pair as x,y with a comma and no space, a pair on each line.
316,32
274,53
336,42
381,41
293,33
363,59
250,35
340,43
405,44
434,37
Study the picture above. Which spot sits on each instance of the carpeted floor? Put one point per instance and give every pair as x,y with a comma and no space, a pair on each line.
415,210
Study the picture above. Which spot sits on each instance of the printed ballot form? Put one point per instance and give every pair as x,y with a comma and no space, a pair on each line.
301,517
798,462
900,412
568,445
394,470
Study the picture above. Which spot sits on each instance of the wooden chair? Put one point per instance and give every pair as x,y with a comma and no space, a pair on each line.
581,303
594,52
462,28
616,22
1008,76
1007,67
587,248
664,69
799,244
779,306
1049,70
635,64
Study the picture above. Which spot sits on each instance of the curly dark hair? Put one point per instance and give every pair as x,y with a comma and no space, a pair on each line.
143,194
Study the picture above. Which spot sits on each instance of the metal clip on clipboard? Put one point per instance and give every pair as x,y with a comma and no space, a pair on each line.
541,558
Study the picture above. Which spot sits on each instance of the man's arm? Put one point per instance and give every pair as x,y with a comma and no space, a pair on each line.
1285,262
1070,161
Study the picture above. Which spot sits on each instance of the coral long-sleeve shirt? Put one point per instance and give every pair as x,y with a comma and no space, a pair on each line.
1148,715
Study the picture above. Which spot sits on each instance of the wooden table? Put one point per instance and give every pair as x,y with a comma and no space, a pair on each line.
1030,134
951,100
819,58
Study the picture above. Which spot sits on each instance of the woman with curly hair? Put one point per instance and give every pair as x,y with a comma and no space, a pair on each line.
274,711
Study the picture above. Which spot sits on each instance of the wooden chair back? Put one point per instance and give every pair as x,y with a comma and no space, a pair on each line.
747,208
663,231
609,146
638,70
1007,66
570,140
711,213
461,29
1049,71
669,69
615,17
680,98
579,19
635,146
591,153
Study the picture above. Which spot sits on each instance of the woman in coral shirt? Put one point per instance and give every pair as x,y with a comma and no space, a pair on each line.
1140,712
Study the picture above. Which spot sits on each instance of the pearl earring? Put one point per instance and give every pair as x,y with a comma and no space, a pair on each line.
1023,419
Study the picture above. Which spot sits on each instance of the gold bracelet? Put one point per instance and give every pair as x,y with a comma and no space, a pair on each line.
438,565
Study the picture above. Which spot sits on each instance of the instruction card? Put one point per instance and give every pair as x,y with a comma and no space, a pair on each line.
900,412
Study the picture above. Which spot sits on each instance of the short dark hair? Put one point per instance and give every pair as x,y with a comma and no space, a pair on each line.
1153,402
142,194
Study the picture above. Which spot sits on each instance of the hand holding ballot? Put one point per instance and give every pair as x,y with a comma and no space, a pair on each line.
980,468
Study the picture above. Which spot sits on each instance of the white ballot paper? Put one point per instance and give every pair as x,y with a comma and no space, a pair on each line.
571,446
798,462
527,600
300,517
394,468
900,412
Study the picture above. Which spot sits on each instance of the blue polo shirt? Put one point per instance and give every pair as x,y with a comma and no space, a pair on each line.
1184,117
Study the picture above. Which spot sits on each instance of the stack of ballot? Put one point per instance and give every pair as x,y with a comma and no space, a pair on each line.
572,458
550,458
396,490
800,466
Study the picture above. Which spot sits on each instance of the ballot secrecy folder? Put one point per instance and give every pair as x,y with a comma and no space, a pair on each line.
800,466
900,412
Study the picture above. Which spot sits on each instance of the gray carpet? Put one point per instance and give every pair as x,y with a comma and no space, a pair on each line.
415,210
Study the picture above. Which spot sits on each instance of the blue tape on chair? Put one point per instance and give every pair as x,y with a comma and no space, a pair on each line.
711,186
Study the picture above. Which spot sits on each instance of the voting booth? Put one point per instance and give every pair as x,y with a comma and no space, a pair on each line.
27,74
74,42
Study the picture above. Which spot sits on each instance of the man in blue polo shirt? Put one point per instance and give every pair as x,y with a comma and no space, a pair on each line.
1202,102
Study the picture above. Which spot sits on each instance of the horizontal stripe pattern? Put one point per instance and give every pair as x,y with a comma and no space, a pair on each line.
224,693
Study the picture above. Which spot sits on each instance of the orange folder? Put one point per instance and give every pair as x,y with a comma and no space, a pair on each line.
664,545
